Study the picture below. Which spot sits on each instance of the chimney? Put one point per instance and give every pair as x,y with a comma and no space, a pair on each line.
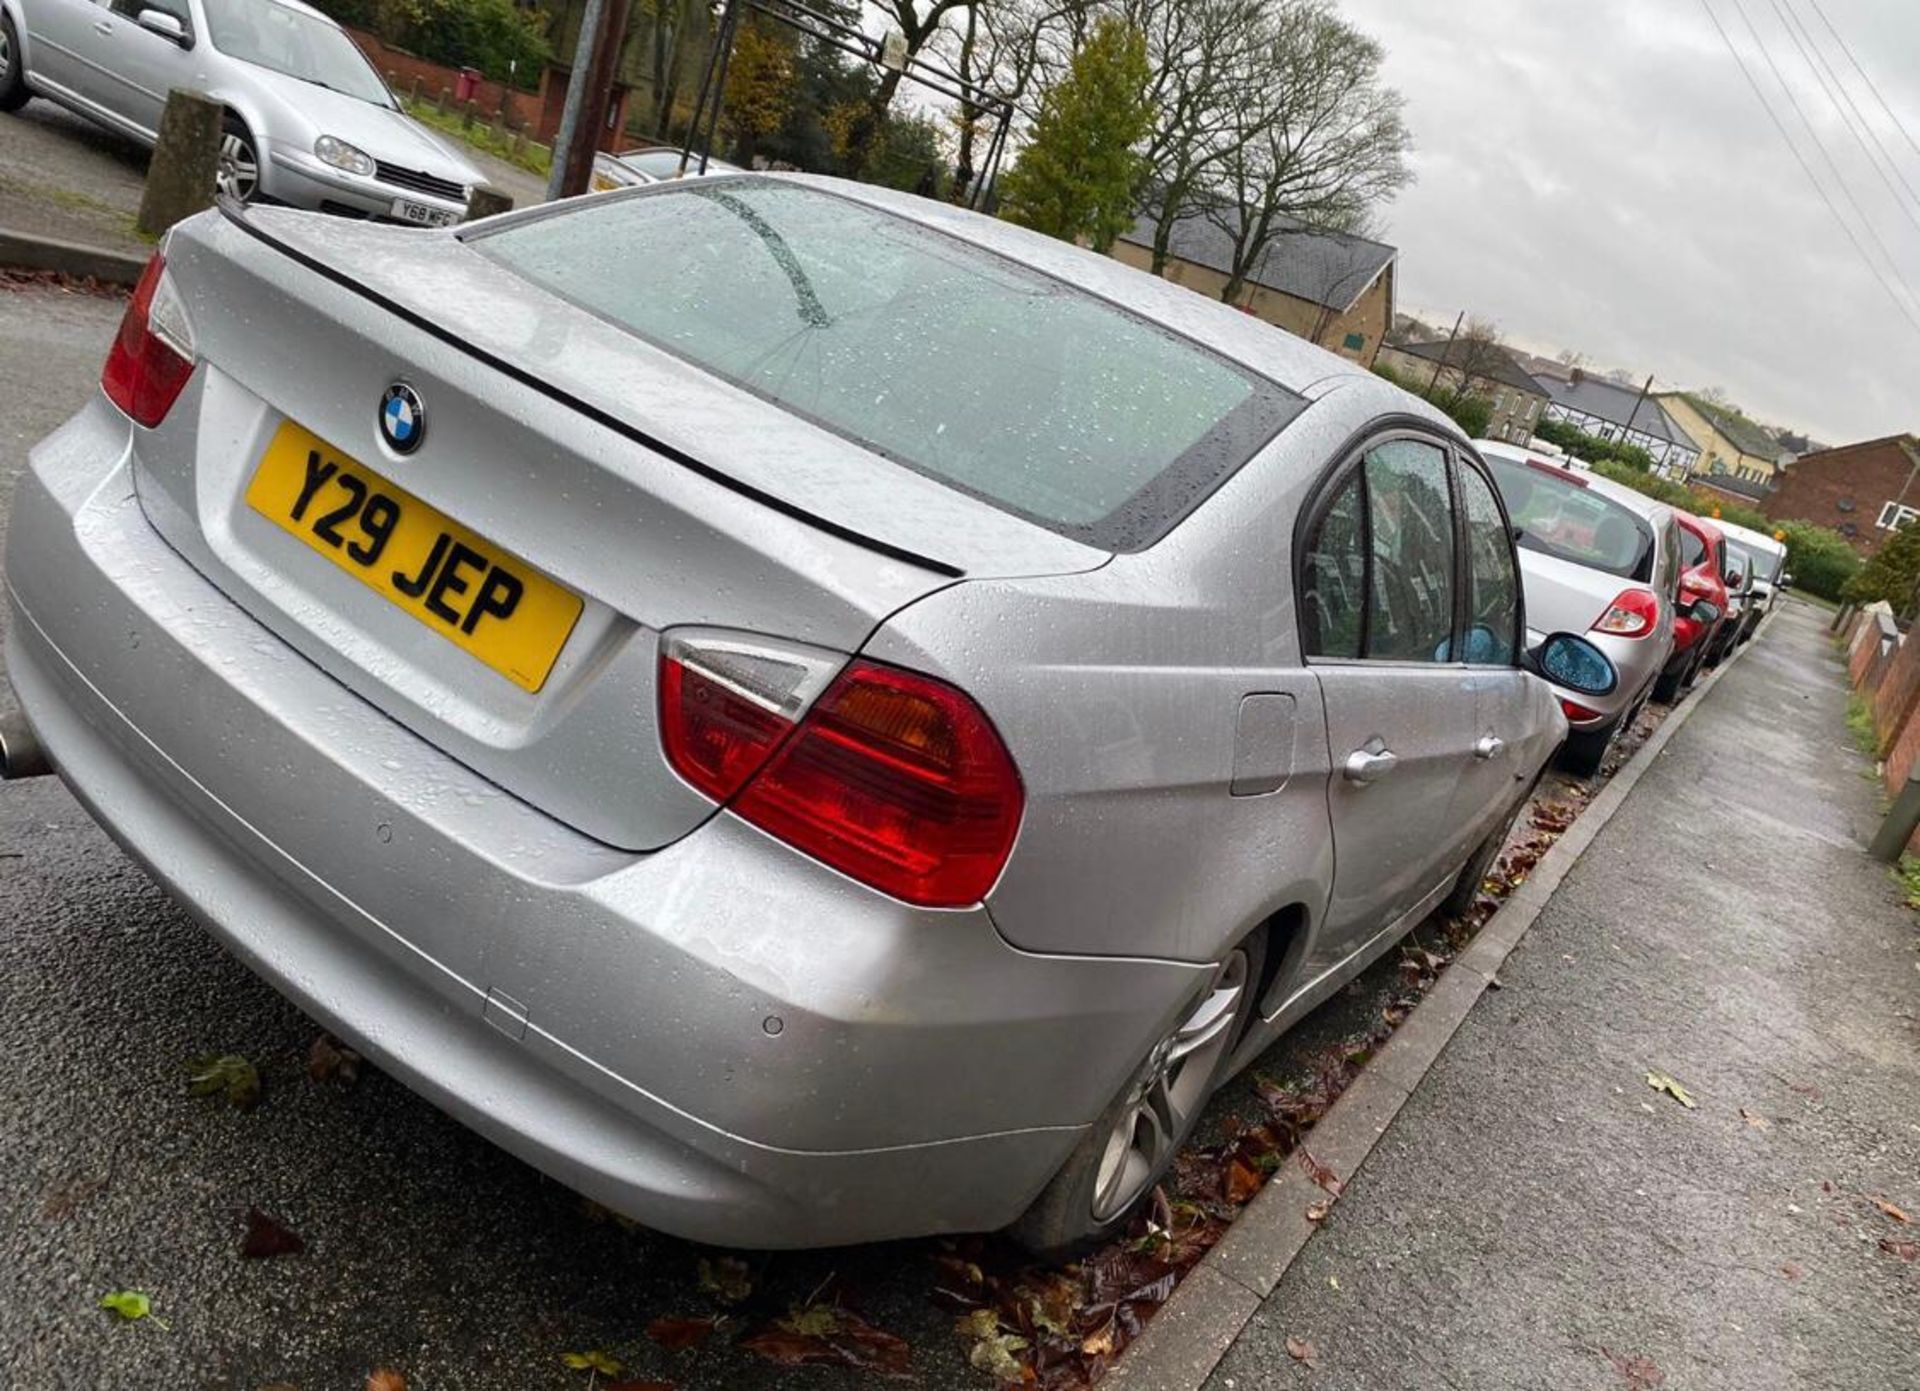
1577,375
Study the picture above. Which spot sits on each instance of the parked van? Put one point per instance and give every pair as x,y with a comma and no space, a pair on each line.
1768,569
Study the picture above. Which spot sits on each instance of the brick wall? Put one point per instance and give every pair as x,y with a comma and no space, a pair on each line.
402,69
1897,694
1848,487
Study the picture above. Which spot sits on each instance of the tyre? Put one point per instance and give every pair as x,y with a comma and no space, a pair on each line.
13,68
1130,1147
1586,749
1467,887
237,176
1672,684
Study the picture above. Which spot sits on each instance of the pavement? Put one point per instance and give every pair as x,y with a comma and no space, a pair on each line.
62,176
1539,1216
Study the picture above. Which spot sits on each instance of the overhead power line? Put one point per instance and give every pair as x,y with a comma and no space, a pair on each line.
1807,169
1813,134
1836,93
1845,48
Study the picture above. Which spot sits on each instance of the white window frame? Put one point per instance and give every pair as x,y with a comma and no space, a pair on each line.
1895,515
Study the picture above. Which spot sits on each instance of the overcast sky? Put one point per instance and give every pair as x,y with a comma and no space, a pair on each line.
1599,176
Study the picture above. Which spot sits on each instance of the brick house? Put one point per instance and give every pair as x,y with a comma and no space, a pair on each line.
1490,371
1864,491
1326,287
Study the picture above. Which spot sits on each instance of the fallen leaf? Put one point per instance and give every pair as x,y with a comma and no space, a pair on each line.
328,1059
595,1361
1905,1250
993,1350
822,1335
227,1073
1660,1082
1243,1181
1791,1271
1754,1119
1301,1351
386,1379
677,1335
1895,1213
1320,1173
1317,1212
128,1304
727,1278
1104,1341
266,1238
1640,1372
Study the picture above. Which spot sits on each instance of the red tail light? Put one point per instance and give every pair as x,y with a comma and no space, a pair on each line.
1577,712
892,778
1632,615
152,355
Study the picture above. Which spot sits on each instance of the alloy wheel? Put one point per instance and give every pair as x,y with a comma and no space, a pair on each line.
238,172
1168,1090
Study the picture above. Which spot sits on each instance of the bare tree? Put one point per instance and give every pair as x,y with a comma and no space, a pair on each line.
1321,142
1477,355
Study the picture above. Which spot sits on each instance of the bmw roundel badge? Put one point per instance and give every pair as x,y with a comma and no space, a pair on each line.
403,420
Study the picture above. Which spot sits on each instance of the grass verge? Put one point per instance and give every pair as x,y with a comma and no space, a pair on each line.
1860,726
537,159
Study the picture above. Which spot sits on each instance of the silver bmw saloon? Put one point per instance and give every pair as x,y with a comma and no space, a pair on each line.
807,714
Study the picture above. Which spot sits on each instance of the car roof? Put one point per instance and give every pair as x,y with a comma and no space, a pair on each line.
1701,525
1746,536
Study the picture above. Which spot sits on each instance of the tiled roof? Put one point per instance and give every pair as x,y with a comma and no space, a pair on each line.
1608,401
1326,268
1505,369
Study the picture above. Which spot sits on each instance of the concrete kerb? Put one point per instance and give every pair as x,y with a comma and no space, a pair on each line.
1206,1313
22,251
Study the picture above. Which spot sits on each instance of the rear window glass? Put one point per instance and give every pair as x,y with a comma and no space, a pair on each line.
1572,523
1002,382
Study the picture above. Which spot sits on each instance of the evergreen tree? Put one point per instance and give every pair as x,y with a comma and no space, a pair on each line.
1077,175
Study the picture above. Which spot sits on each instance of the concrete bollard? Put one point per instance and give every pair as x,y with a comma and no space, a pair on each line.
485,202
520,142
186,159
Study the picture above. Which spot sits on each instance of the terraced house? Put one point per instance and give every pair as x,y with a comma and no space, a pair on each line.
1487,369
1731,445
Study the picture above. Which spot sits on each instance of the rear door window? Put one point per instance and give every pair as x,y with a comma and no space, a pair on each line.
1493,583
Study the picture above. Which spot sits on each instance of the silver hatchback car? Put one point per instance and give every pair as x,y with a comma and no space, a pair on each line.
808,714
309,122
1597,559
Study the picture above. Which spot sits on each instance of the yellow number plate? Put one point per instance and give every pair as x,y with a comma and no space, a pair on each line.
493,605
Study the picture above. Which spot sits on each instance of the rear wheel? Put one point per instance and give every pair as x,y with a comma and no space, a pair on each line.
13,68
1467,887
1128,1149
237,175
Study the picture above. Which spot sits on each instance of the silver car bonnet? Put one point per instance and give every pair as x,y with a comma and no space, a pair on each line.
380,131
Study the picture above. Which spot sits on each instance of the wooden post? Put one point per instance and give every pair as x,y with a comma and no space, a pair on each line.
444,99
413,90
468,114
186,157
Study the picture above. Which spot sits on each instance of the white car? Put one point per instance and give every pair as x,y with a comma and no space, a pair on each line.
309,122
1598,559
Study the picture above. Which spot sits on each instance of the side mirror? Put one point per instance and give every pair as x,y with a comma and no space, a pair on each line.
1704,612
1735,579
1575,664
167,26
1786,580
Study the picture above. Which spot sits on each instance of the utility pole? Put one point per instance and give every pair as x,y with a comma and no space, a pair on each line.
1445,353
1634,414
596,59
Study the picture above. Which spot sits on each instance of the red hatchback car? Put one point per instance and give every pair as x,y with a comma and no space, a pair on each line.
1702,607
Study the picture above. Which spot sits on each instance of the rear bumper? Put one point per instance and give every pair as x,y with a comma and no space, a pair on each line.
608,1017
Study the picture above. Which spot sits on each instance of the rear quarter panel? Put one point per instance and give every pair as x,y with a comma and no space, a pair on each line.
1119,691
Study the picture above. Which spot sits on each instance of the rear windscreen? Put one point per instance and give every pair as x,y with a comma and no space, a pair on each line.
939,355
1572,523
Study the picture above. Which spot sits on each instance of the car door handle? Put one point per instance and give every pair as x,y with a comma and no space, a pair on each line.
103,28
1489,746
1365,766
